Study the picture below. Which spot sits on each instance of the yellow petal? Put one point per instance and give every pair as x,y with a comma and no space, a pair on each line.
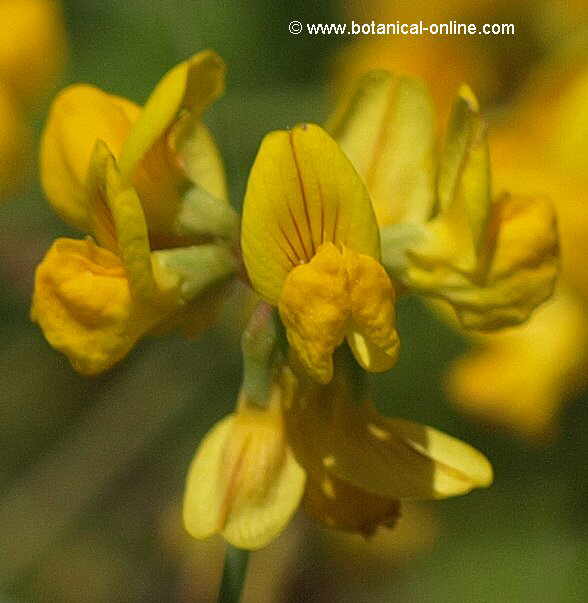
315,307
373,339
387,130
158,156
83,304
390,458
79,116
119,221
302,193
243,481
527,235
191,85
343,507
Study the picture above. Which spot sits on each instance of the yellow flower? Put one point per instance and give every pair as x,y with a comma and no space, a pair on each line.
349,465
32,46
492,258
94,302
83,303
244,481
311,247
162,149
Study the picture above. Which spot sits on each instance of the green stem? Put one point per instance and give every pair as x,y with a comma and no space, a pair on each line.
234,574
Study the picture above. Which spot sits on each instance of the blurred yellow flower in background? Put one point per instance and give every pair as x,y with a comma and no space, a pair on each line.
32,55
32,48
518,378
442,62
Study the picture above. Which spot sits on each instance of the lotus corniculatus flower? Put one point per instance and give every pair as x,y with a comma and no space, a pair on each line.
492,258
161,235
311,247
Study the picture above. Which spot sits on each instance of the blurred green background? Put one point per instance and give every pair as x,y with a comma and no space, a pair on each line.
92,470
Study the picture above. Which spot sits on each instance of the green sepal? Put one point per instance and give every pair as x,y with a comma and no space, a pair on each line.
203,216
397,240
194,270
259,344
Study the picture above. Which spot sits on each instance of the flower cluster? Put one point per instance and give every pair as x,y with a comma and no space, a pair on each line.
336,223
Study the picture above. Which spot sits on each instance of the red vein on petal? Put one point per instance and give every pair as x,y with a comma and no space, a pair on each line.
302,193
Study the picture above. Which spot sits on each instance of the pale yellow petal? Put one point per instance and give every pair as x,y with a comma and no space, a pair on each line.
464,182
253,524
166,147
387,130
243,482
302,193
442,62
370,356
515,272
199,157
458,467
205,504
